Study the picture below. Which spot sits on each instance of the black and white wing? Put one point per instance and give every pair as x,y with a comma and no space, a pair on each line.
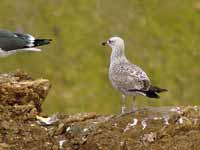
11,42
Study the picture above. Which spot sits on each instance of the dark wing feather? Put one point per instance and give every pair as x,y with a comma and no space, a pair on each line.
11,41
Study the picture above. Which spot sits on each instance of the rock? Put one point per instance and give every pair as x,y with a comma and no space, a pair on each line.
60,129
23,125
4,146
19,88
21,98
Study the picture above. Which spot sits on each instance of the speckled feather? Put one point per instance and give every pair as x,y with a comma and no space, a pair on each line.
125,76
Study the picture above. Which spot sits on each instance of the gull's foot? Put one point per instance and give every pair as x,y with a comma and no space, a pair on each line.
123,110
134,109
126,111
131,110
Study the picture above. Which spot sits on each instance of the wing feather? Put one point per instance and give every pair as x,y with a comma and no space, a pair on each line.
12,41
127,76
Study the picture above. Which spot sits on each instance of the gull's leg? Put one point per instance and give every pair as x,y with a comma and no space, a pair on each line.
134,108
123,103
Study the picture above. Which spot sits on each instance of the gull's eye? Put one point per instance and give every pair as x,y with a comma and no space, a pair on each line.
110,41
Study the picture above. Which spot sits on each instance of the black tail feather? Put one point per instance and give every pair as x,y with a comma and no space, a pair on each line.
151,93
39,42
157,89
153,90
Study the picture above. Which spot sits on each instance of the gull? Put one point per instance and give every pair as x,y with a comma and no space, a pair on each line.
12,42
126,77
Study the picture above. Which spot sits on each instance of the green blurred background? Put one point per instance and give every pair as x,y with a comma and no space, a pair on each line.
162,37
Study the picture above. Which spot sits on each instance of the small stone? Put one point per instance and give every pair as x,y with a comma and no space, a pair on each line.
55,147
149,137
60,129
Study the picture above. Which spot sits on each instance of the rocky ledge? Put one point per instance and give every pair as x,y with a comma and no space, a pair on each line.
23,125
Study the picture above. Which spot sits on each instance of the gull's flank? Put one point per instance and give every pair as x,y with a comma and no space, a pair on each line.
12,42
126,77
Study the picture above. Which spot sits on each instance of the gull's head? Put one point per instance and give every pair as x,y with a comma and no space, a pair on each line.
115,43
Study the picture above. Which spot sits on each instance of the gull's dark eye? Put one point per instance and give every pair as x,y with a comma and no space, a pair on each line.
109,41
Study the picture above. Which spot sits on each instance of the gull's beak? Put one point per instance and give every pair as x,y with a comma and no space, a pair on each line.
104,43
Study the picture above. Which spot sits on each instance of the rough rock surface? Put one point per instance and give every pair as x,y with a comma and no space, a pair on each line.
23,126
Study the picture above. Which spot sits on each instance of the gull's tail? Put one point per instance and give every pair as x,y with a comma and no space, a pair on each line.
33,44
153,92
39,42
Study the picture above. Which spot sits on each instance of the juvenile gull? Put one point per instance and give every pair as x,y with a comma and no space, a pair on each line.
126,77
12,42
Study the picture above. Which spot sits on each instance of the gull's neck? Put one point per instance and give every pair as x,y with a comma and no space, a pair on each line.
118,56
